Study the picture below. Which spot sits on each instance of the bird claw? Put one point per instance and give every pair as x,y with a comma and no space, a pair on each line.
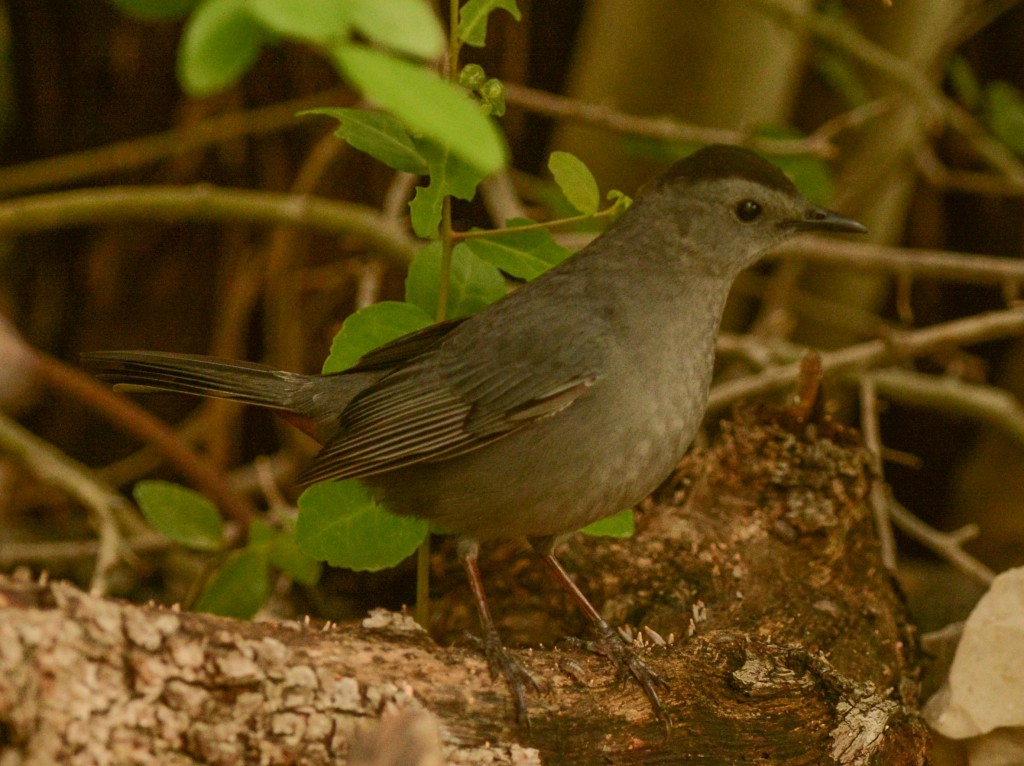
501,663
624,657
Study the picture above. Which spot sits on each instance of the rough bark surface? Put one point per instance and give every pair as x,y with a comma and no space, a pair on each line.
786,641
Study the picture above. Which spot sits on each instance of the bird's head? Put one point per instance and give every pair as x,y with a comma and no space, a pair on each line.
732,206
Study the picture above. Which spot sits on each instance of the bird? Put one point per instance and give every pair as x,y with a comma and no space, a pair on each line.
569,399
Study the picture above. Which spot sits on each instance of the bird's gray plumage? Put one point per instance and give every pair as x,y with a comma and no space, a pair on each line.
571,398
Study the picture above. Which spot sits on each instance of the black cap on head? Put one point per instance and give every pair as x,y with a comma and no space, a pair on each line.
722,161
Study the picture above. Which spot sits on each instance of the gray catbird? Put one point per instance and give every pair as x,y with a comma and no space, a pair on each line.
566,401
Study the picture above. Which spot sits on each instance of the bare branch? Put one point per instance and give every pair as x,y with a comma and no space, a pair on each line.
126,155
903,73
202,202
664,128
946,545
875,353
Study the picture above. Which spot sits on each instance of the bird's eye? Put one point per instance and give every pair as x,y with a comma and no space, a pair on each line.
748,210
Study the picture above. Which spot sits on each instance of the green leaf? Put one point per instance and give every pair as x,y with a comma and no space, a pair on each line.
1004,113
428,105
472,285
339,523
221,41
379,134
320,22
184,516
286,555
239,587
407,26
283,552
449,175
521,254
425,209
620,524
157,10
261,533
473,19
370,328
576,182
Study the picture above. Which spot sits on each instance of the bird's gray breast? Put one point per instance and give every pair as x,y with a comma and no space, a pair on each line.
605,452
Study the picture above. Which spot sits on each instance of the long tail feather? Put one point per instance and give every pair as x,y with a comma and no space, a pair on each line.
149,371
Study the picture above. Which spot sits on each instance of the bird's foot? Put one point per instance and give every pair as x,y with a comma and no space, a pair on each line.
624,657
501,663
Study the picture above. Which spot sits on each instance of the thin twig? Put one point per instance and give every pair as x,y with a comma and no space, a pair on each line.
267,480
664,128
396,199
975,19
875,353
134,153
500,198
147,458
949,265
946,545
202,202
879,495
905,74
934,264
48,553
368,282
989,184
946,393
132,419
943,393
281,465
53,466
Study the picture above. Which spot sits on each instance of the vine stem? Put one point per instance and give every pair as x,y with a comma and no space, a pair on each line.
476,233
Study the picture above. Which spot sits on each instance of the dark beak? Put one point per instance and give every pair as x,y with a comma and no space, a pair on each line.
820,219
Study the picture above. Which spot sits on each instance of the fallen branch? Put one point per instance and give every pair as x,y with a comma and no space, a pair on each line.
754,583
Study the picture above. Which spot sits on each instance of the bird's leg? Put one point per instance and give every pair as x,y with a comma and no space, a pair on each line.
609,643
498,660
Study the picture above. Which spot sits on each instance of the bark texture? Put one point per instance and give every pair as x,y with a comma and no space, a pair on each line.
781,635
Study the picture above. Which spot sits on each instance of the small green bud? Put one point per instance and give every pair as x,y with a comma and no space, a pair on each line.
493,93
620,202
492,90
472,76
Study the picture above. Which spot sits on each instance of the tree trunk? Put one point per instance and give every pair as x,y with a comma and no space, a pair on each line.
721,64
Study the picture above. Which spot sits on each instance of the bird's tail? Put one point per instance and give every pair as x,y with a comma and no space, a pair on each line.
150,371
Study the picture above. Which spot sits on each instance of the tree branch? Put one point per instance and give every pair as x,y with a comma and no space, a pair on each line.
935,264
134,420
874,353
664,128
203,202
127,155
848,40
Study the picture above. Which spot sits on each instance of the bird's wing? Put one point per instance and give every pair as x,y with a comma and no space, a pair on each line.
404,349
475,386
